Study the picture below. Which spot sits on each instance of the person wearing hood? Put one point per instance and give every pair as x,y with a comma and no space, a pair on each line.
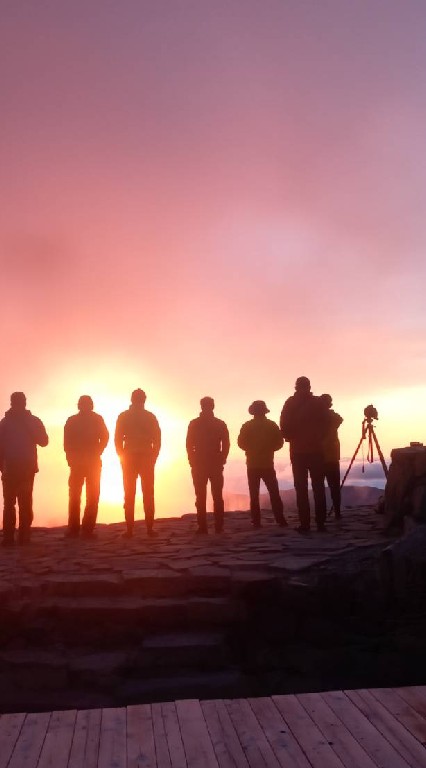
260,438
138,442
20,434
85,439
207,446
304,424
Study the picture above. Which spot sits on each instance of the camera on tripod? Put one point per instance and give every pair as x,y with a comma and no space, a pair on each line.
368,433
370,413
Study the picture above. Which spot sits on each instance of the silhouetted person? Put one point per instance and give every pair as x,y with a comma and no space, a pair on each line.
207,446
138,442
20,434
260,438
331,451
303,423
85,439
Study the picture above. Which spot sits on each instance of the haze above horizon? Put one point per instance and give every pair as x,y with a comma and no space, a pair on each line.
211,198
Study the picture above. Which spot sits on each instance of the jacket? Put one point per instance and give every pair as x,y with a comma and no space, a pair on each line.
137,432
207,441
303,423
85,437
260,438
20,434
331,443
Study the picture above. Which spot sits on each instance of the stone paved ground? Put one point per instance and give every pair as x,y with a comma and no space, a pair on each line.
114,563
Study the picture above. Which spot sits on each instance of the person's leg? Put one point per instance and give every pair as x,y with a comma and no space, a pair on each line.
25,503
316,471
216,484
253,478
332,474
9,509
93,482
269,477
300,478
199,479
75,485
147,481
130,474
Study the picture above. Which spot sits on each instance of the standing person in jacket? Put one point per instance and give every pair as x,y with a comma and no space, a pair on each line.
85,439
20,434
207,446
138,442
303,423
260,438
331,450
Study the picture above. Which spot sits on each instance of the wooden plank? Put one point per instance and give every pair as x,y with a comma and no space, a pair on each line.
226,744
29,745
195,736
334,731
113,741
57,743
402,711
85,743
379,749
254,742
161,746
415,698
173,735
280,737
390,728
10,728
140,737
312,741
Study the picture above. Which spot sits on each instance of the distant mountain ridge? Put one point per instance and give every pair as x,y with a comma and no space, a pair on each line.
352,496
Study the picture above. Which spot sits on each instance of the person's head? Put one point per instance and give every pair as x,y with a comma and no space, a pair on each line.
207,404
85,404
18,401
258,408
326,400
302,384
138,397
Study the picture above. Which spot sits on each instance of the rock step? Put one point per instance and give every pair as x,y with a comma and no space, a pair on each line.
107,620
205,650
159,667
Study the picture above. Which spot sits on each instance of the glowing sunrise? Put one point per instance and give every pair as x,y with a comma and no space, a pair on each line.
211,198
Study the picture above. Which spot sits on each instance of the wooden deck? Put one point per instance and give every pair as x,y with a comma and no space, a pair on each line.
378,728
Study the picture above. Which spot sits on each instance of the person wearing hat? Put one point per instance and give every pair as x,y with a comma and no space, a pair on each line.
207,446
85,439
260,438
20,434
303,423
138,442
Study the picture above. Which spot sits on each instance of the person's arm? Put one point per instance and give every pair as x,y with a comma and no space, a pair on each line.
190,444
156,438
40,434
242,438
225,444
119,437
103,436
278,438
67,440
284,421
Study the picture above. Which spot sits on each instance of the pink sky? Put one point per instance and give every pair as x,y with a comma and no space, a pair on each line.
212,198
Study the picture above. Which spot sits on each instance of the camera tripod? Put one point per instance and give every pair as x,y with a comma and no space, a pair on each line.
369,434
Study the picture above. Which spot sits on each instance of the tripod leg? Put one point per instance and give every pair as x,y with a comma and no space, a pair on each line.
352,459
379,451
